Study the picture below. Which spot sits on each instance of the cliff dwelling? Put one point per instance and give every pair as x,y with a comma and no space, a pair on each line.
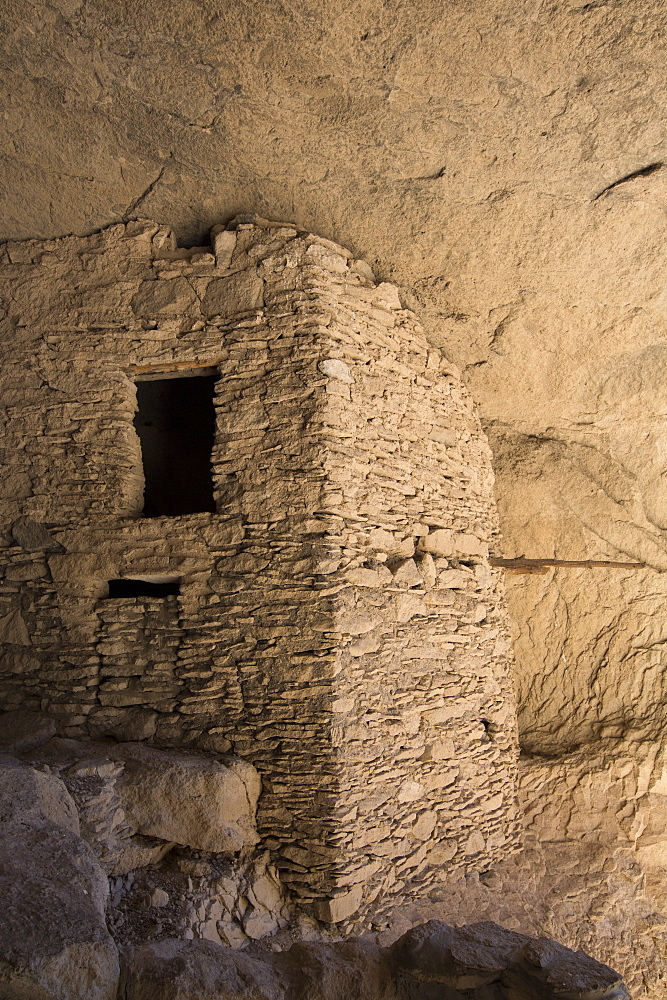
332,582
287,558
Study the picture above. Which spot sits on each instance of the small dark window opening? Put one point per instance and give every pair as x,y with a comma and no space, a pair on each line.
489,730
144,588
176,426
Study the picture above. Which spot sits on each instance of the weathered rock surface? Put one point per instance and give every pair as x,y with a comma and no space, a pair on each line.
590,897
612,797
476,957
33,798
463,958
189,799
165,797
330,971
24,730
179,970
54,943
433,962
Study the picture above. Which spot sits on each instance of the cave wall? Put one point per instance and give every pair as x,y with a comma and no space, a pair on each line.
503,165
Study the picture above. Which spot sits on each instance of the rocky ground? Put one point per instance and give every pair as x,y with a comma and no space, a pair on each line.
98,904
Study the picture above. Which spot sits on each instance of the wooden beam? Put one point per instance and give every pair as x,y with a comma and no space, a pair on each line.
523,565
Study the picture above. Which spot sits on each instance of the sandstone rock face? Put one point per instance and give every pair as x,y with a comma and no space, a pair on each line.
595,634
54,943
592,897
614,798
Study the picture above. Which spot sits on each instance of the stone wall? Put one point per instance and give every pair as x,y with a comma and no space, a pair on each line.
338,623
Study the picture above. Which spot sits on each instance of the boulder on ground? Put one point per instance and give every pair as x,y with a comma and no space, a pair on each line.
548,969
431,962
81,970
460,957
131,788
24,730
318,970
199,970
484,955
54,943
202,970
189,798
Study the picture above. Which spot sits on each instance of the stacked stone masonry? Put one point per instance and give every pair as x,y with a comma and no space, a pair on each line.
338,624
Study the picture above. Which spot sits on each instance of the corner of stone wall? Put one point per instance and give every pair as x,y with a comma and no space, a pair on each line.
338,623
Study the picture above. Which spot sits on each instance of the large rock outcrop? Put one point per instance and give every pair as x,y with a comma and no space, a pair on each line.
195,874
434,961
132,797
54,942
175,917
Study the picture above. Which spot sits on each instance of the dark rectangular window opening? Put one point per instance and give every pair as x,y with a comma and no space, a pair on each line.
144,588
176,426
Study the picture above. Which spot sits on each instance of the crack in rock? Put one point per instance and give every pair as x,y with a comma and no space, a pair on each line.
642,172
132,207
